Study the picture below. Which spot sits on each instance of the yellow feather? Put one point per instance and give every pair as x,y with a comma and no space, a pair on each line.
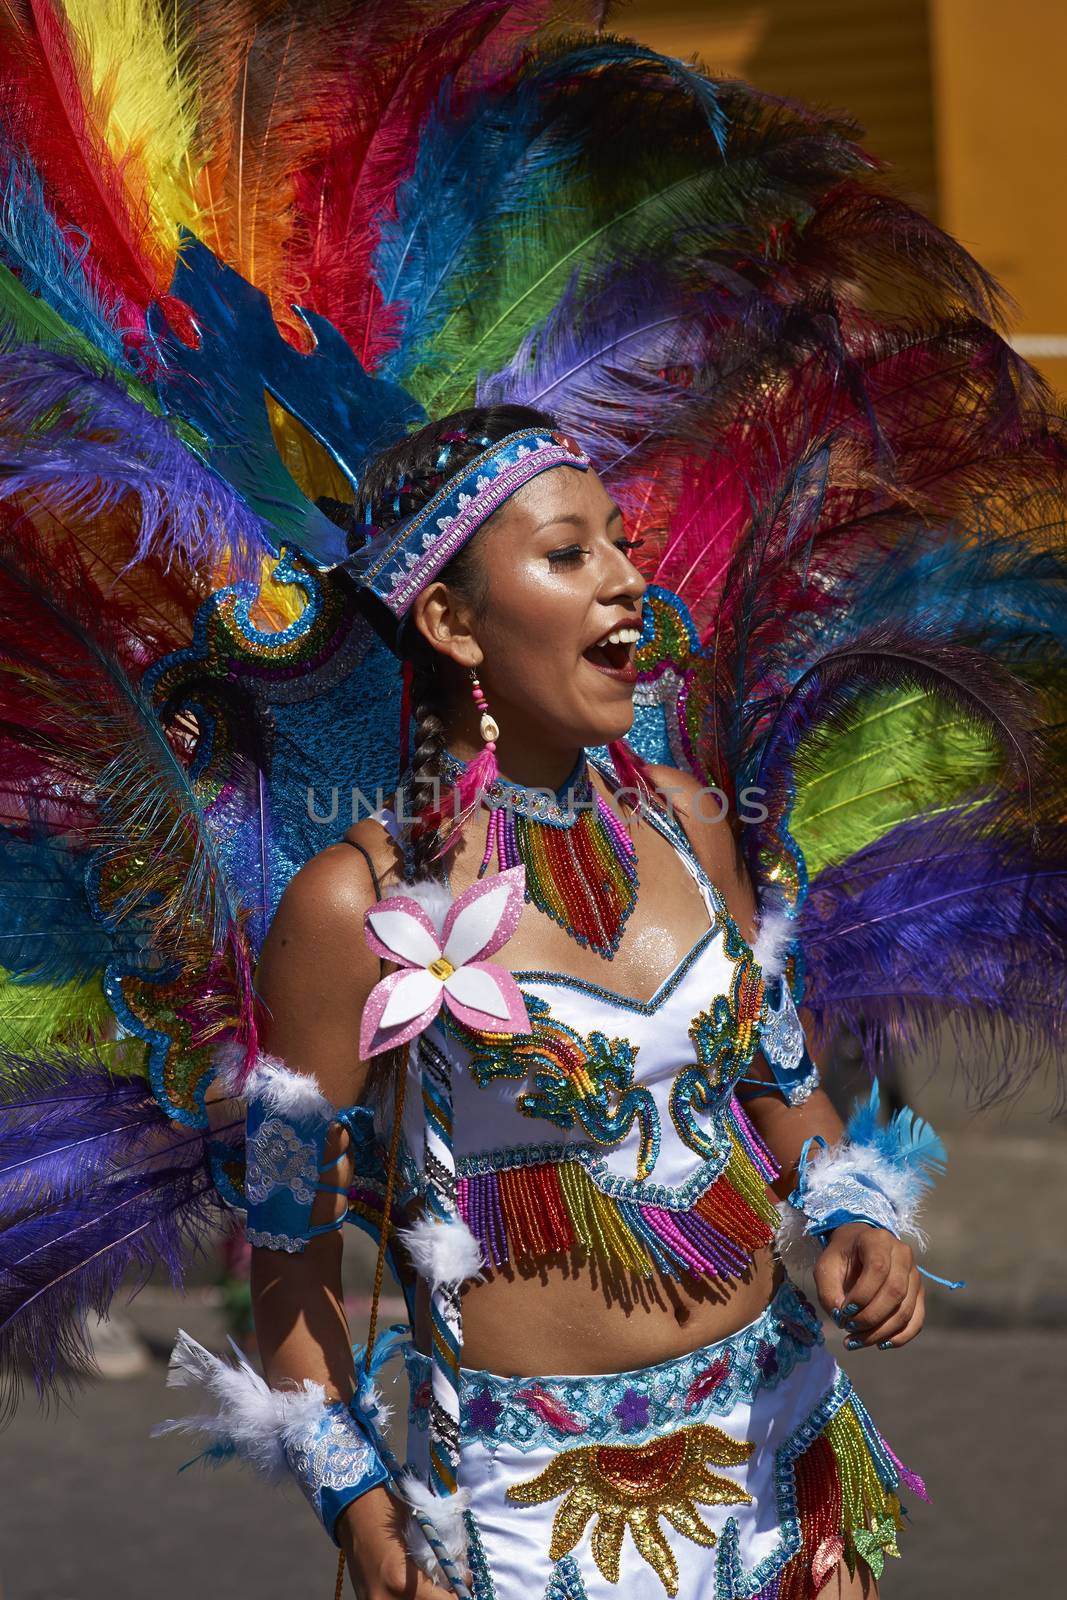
146,106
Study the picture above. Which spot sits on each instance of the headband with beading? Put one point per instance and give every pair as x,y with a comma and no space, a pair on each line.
397,562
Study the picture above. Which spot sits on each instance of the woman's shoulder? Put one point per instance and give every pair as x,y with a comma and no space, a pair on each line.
321,914
713,835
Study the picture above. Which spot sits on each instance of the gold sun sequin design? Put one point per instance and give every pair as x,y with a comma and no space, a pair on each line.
633,1486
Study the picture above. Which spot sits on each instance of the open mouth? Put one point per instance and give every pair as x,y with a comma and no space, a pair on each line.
614,653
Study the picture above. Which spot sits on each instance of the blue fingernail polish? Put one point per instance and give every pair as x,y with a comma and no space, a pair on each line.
851,1309
886,1344
853,1344
836,1314
850,1325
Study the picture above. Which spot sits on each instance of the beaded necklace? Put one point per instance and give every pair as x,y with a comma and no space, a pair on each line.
581,865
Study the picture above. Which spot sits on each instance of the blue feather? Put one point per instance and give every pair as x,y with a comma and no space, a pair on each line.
906,1141
52,264
468,170
48,933
484,164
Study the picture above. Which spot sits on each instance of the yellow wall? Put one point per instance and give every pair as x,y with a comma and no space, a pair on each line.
869,58
964,99
1002,144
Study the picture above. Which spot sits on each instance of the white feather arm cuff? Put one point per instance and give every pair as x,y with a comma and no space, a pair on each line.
252,1419
443,1252
292,1432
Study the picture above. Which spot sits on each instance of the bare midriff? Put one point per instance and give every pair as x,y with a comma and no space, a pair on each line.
566,1315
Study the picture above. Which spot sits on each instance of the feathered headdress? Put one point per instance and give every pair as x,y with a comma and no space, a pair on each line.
234,261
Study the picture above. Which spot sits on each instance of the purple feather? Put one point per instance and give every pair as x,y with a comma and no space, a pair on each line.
77,441
96,1183
938,922
602,360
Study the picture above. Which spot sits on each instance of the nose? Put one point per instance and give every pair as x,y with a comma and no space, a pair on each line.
622,581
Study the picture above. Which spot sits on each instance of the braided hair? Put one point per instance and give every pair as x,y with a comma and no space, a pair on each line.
397,482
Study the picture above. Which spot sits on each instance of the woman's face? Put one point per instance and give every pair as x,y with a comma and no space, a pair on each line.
559,580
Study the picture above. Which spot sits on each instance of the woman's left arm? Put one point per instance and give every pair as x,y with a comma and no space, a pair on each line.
866,1278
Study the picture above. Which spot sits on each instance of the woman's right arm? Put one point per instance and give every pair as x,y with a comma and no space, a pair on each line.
313,979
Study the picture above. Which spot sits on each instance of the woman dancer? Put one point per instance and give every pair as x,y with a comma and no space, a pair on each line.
700,1402
244,249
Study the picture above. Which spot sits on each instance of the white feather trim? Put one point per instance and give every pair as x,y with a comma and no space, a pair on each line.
432,895
792,1244
443,1252
776,933
448,1524
845,1161
252,1418
296,1094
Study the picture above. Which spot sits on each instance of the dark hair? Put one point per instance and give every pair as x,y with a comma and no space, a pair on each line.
395,483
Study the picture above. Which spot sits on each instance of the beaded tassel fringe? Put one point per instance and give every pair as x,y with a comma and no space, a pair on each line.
847,1502
539,1209
583,875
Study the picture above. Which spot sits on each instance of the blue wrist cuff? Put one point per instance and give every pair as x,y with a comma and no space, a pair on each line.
335,1461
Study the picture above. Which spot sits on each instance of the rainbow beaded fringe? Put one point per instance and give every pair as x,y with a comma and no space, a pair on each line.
581,864
847,1505
535,1208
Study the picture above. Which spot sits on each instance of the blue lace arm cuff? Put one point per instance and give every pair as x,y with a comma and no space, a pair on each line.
286,1128
334,1460
784,1048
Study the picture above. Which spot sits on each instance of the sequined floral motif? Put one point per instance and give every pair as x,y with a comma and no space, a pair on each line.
588,1081
724,1038
633,1486
279,1159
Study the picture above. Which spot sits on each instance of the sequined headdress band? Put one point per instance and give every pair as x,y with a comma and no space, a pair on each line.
398,562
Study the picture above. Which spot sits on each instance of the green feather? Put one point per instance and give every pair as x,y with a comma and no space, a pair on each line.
24,319
907,753
639,205
37,1016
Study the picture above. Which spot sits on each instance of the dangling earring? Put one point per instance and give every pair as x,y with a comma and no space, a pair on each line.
631,772
487,726
461,801
483,769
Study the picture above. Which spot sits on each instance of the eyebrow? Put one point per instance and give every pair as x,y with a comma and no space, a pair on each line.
575,517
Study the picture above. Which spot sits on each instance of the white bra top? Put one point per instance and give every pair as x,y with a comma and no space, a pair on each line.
614,1121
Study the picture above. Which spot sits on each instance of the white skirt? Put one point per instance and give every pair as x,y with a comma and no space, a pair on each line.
743,1471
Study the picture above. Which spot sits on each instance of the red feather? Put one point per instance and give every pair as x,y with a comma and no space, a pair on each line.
46,107
344,197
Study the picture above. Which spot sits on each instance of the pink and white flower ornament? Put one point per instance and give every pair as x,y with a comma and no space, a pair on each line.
446,967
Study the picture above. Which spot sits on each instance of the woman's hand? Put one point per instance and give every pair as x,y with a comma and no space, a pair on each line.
868,1282
371,1532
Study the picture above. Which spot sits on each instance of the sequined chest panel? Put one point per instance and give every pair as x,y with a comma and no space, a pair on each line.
613,1126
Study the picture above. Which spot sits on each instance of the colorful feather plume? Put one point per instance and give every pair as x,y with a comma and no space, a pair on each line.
95,1186
791,381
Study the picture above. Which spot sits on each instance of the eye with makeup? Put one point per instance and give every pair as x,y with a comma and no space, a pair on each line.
569,554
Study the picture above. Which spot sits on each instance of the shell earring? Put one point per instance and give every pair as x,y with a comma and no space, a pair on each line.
487,727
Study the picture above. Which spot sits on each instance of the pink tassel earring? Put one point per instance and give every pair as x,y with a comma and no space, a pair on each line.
482,770
631,770
462,799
